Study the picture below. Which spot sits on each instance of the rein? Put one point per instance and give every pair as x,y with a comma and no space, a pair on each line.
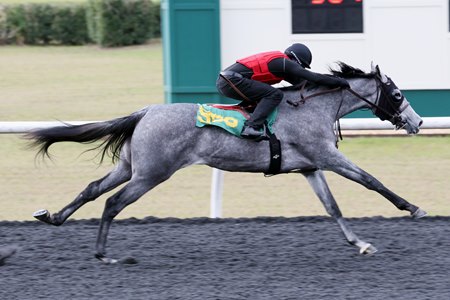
303,98
393,117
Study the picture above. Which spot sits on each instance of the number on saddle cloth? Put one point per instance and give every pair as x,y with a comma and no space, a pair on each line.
229,117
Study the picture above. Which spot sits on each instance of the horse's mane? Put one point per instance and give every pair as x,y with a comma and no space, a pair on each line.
347,71
344,70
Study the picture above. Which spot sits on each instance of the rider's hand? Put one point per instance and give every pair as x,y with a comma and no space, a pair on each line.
341,82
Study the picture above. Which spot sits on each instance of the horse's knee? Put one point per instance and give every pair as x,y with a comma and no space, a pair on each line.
371,183
91,190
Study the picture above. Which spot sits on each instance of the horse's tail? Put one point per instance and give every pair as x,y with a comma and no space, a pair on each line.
114,133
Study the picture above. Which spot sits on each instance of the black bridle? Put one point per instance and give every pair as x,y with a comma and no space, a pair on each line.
390,102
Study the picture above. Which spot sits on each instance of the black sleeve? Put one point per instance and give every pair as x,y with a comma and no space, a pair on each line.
293,73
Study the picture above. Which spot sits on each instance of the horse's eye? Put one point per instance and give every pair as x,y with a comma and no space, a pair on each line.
397,94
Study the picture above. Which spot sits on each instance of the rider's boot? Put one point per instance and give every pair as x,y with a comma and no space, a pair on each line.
255,127
250,132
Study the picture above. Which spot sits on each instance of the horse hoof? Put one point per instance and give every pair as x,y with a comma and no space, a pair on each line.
105,260
368,250
419,213
42,215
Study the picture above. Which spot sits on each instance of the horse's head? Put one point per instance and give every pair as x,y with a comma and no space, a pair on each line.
393,106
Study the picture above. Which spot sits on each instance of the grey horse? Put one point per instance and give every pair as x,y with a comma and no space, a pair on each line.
152,144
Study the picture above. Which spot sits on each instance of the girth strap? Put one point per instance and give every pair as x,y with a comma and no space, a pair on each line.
275,155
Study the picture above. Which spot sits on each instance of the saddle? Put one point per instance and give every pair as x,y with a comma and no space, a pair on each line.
244,107
232,118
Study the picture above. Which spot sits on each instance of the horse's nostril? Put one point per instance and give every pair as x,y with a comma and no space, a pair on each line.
420,123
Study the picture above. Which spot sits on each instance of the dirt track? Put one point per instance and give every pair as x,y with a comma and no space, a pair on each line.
262,258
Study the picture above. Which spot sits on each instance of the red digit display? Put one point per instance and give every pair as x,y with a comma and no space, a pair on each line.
327,16
330,1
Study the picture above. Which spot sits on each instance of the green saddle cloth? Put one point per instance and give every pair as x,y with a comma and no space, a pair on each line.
230,120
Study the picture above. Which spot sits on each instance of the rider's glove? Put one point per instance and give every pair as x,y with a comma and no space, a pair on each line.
341,82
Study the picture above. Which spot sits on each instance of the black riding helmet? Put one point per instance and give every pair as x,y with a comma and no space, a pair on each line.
299,53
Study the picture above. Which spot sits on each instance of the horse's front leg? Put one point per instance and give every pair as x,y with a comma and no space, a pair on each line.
342,166
318,182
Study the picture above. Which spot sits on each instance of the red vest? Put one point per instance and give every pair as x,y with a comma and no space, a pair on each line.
258,64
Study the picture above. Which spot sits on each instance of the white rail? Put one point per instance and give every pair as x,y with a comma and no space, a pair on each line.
377,124
217,175
25,126
346,124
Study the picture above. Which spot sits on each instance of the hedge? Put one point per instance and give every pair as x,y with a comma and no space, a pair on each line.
105,22
121,23
43,24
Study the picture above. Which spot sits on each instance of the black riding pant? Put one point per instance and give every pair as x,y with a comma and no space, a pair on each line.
267,96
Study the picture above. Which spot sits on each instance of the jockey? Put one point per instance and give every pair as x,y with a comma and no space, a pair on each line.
251,78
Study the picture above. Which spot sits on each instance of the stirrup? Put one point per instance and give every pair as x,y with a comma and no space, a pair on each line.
256,135
251,132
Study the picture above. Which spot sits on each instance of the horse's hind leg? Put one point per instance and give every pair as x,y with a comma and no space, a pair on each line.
318,182
133,190
120,174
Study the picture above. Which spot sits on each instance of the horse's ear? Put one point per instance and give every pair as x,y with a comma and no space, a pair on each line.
376,70
373,67
383,77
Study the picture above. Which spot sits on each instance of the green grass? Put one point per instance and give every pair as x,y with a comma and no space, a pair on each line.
88,83
78,83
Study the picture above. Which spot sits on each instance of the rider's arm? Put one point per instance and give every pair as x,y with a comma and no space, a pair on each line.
293,73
